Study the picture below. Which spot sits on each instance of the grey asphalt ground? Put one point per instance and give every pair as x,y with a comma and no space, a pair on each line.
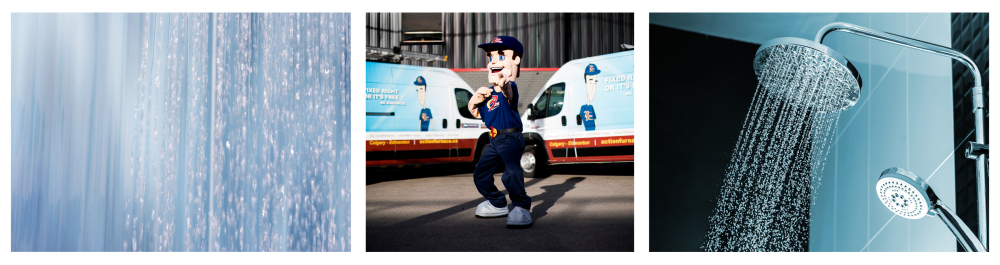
577,208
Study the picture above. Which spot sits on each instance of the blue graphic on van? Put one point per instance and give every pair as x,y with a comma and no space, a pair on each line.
607,84
425,119
425,113
587,110
592,70
391,102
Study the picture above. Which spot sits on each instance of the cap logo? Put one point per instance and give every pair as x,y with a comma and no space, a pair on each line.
497,40
591,67
421,79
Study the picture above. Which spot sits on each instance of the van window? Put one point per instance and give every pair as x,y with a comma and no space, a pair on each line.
551,101
462,97
542,104
556,93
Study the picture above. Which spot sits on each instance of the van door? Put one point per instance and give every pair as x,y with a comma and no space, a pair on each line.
551,120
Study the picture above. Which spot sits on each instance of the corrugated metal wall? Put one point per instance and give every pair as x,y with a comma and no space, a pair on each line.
549,39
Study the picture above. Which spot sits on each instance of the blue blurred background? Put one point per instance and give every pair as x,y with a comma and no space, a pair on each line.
904,118
180,132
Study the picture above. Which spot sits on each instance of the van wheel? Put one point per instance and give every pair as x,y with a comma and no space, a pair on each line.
531,163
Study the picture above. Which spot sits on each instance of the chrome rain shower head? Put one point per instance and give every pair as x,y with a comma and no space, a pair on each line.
806,72
909,196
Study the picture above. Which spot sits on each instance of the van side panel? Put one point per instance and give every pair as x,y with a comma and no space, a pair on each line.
613,101
394,116
379,80
593,149
610,110
415,152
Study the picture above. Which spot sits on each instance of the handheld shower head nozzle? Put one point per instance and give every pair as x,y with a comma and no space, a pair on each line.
904,193
805,72
909,196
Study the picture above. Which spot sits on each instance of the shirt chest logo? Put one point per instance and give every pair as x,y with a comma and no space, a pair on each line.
493,103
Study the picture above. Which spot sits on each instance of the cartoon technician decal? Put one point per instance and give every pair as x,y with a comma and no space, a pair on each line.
425,113
587,113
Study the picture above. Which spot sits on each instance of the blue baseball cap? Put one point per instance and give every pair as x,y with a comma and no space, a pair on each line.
503,43
592,70
420,81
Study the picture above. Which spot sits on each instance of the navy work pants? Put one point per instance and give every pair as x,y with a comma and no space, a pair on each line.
506,147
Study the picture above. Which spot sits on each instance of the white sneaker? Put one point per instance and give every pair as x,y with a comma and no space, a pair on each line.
486,209
519,217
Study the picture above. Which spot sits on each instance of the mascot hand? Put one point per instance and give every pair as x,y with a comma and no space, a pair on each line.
480,95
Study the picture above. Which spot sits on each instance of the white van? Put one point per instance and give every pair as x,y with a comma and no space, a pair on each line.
584,114
418,115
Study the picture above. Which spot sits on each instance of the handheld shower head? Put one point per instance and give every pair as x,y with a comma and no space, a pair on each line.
804,72
909,196
904,193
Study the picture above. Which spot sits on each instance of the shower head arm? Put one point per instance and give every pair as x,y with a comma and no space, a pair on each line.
903,41
962,232
977,97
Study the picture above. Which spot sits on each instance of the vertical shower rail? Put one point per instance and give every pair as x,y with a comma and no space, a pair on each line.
977,99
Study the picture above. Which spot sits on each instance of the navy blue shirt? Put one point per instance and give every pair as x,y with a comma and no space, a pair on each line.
588,115
425,119
499,114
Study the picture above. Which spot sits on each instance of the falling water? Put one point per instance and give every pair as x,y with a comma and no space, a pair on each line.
218,132
779,156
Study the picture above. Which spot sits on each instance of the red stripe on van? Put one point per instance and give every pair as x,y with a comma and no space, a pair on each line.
522,69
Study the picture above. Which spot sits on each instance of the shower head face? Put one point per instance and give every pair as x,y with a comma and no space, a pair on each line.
904,193
807,73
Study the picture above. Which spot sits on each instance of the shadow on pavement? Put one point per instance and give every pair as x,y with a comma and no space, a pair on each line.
549,197
427,218
425,233
446,230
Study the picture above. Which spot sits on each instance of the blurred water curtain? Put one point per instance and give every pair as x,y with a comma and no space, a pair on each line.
181,132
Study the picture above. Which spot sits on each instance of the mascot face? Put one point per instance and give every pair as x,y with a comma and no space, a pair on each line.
502,66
